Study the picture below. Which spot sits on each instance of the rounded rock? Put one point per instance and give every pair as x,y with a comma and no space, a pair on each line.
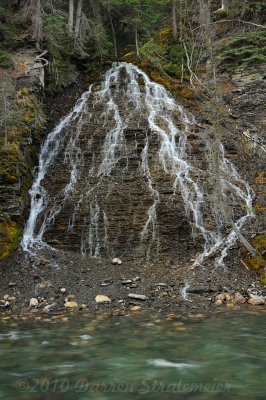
102,299
34,302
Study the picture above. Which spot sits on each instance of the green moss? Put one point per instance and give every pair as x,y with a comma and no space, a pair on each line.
9,237
258,263
11,163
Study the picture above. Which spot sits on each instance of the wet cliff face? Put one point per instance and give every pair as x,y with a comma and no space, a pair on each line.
131,173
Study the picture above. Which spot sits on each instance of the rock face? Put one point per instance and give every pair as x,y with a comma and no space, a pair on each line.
129,172
249,99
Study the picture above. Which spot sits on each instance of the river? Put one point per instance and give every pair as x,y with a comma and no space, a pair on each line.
134,357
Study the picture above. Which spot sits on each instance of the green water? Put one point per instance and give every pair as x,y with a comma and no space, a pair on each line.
134,358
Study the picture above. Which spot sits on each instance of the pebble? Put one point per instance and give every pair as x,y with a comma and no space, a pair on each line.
45,284
171,317
69,297
230,305
63,290
71,304
48,308
138,296
220,296
34,302
256,300
219,302
126,282
239,298
11,284
6,296
136,308
228,297
102,299
116,261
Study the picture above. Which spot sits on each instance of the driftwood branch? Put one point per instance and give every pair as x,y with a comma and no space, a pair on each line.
245,265
38,58
247,245
231,20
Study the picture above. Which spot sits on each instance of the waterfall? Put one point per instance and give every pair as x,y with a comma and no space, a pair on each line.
124,157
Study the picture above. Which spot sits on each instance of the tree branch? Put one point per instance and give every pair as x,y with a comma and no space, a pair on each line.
231,20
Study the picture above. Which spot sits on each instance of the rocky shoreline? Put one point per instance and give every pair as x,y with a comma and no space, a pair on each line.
51,284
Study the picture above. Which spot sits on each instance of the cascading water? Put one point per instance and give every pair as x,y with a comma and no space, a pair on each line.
118,176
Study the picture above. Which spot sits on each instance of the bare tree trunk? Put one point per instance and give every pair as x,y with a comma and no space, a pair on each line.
223,6
37,25
113,30
71,16
174,19
78,18
137,43
243,239
5,123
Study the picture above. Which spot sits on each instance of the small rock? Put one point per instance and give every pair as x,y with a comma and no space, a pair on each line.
220,296
218,302
102,299
71,304
69,297
239,298
136,308
230,305
6,296
126,282
138,296
11,284
34,302
63,290
256,300
116,261
161,284
228,297
48,308
171,317
12,298
45,284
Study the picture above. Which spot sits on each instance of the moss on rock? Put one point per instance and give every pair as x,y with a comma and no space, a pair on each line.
9,236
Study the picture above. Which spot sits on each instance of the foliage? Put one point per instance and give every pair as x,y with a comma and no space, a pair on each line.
247,10
243,51
166,54
7,38
62,71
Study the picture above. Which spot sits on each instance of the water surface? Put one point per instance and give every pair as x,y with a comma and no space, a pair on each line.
134,357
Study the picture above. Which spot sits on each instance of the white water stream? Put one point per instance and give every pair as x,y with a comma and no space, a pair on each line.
170,125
